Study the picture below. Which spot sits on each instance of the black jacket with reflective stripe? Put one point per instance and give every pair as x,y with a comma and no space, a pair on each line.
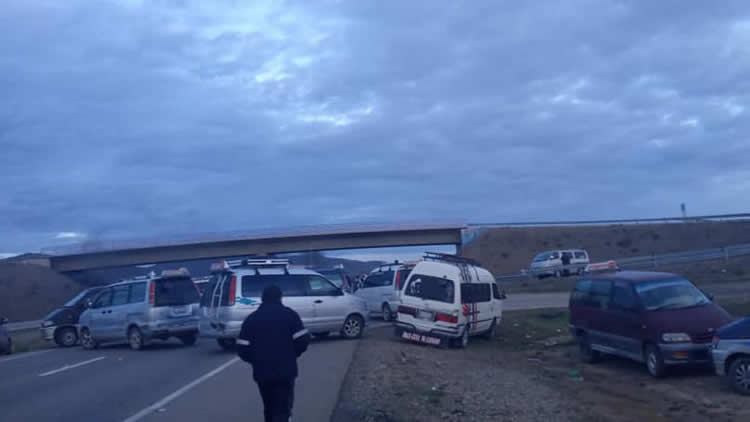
271,340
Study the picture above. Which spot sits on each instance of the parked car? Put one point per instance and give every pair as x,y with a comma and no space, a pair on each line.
143,309
235,292
559,263
446,300
381,290
6,343
731,354
337,276
61,324
660,319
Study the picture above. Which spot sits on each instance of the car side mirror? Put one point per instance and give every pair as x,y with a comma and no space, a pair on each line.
503,296
88,304
710,297
338,292
3,321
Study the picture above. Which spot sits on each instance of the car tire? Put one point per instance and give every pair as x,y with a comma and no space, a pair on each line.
738,375
387,313
353,327
463,341
587,354
492,331
189,339
66,337
135,338
654,361
324,334
227,344
87,340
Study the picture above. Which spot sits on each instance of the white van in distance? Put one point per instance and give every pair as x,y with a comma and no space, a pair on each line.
448,299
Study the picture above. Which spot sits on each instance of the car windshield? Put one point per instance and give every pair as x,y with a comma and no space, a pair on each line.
80,297
334,277
670,294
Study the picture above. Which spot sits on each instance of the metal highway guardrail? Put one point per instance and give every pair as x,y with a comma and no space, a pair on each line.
655,261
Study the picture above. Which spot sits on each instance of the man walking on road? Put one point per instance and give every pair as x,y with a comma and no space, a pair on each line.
271,340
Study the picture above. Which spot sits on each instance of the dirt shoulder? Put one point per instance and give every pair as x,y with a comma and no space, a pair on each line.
529,372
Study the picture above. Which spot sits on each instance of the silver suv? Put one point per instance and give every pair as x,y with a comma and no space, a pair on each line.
142,309
234,292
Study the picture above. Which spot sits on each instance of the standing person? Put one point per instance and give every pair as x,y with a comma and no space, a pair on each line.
271,340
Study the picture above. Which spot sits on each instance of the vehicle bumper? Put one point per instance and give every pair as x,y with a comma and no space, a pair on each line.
220,329
48,333
686,353
444,334
720,358
171,328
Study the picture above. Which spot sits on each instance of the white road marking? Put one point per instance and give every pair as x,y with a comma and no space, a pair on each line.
75,365
26,355
161,403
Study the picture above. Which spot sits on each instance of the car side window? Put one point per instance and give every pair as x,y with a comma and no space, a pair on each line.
137,293
120,295
599,294
104,299
580,295
319,286
623,297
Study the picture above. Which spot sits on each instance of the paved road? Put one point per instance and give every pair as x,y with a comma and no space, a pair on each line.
165,382
516,302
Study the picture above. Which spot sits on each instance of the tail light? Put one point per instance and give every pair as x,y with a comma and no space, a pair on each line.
407,310
452,319
152,293
397,284
232,290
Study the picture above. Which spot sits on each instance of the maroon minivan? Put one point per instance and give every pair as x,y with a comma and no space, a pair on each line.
658,318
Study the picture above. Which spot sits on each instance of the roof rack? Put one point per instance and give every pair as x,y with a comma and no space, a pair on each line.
252,262
445,257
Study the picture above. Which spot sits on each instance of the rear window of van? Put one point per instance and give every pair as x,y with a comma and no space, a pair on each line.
431,288
175,292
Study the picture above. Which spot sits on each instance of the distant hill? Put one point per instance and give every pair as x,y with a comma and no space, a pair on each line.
29,292
507,250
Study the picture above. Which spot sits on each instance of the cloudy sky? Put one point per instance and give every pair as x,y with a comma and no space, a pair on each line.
146,118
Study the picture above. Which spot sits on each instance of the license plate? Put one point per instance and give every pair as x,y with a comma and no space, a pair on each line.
421,338
180,310
425,315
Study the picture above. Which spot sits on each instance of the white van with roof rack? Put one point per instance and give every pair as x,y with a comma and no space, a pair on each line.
235,290
446,300
559,263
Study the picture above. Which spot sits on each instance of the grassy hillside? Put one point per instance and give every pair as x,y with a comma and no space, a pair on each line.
29,292
507,250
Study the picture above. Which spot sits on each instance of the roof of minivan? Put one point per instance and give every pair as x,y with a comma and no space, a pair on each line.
633,276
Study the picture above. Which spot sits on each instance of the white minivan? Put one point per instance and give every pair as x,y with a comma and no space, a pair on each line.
448,299
559,263
381,290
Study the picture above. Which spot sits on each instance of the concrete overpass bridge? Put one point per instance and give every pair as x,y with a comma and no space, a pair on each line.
106,254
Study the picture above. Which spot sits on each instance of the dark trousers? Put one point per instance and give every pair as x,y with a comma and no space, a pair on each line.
278,399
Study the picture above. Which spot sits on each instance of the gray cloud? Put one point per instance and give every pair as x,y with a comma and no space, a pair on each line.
131,118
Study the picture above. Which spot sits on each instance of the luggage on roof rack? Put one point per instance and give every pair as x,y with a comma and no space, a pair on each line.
253,263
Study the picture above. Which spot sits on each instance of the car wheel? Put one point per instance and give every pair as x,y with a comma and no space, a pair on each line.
66,337
189,339
321,335
135,338
739,375
87,340
492,331
387,313
654,361
463,341
588,354
353,327
226,343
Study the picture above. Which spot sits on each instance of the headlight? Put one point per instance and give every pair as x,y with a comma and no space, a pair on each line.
47,324
675,338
